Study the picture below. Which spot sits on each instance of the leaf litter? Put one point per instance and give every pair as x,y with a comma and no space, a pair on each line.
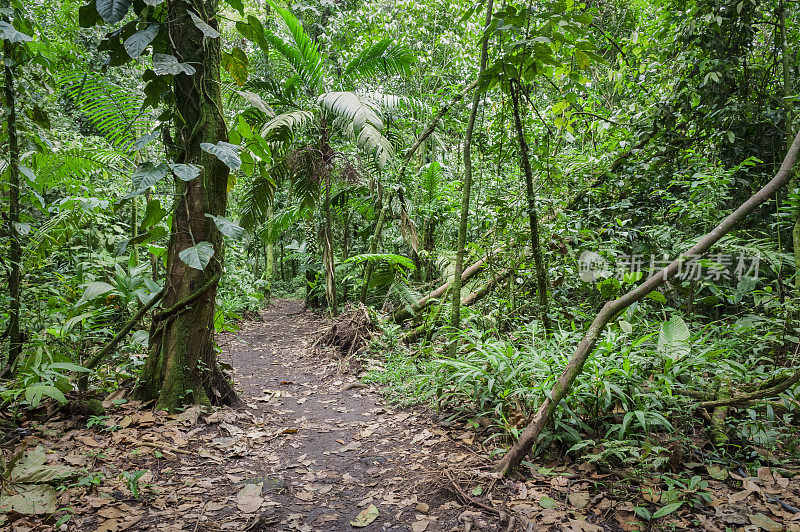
342,459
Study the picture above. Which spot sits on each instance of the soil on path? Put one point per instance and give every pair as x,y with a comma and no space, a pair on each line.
340,447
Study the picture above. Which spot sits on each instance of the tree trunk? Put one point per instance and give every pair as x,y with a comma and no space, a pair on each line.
181,367
455,320
541,272
15,248
373,248
789,122
534,429
327,251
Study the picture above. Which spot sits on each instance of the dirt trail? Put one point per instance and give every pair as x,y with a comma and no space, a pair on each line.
350,448
313,449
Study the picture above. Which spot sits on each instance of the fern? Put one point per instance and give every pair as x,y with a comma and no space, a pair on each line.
114,111
77,165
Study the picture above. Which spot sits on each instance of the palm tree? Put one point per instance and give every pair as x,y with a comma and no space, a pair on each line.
322,112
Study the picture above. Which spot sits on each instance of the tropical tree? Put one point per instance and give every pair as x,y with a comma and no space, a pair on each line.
320,103
181,366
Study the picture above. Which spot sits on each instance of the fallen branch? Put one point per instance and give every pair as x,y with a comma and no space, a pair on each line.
162,448
109,347
468,499
470,299
404,313
531,434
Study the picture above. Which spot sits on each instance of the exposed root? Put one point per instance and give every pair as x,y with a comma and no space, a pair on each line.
349,333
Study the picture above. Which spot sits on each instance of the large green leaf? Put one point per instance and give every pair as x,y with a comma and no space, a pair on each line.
235,63
165,64
207,30
113,11
224,151
197,256
146,175
253,30
153,213
94,290
673,339
9,33
227,227
185,172
136,43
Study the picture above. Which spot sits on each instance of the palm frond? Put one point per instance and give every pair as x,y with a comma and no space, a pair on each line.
283,126
280,223
430,180
114,111
384,57
363,120
302,53
254,204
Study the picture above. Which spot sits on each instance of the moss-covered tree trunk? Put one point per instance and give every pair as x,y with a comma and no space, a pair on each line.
181,367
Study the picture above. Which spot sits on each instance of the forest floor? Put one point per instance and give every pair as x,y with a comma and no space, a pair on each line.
316,450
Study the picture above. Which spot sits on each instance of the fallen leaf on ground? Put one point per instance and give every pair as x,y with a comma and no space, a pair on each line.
765,522
366,516
578,499
249,498
420,526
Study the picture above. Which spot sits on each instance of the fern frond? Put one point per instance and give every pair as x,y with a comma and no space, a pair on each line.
114,111
77,165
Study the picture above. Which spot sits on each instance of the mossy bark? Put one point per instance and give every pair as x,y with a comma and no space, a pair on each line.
181,367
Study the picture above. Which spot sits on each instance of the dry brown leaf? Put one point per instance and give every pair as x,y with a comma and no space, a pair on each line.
420,526
249,498
578,499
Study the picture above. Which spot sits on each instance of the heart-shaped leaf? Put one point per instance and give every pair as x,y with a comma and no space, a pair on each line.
113,11
185,172
10,33
165,64
197,256
146,175
224,151
207,30
136,43
227,227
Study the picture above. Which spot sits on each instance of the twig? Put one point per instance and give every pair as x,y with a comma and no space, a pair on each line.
202,513
162,447
469,499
